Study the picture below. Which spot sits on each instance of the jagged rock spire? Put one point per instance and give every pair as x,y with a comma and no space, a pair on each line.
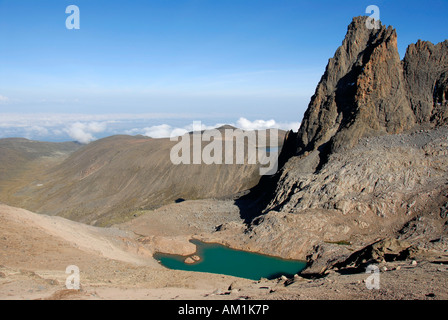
367,90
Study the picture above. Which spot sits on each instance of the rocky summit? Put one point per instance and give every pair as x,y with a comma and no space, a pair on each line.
367,90
370,160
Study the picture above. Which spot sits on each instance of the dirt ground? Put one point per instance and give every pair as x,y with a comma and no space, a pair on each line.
113,264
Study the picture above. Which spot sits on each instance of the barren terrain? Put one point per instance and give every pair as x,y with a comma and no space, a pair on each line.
115,263
362,184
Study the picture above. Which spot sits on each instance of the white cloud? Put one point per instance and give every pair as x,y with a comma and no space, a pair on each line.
246,124
83,132
133,131
3,99
161,131
166,131
37,130
96,127
177,132
84,128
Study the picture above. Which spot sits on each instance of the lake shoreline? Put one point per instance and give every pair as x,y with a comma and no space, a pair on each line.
217,258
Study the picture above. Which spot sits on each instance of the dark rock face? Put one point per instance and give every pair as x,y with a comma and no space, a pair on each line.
439,114
361,163
368,91
425,69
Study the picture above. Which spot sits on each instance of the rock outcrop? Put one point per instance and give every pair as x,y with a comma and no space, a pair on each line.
369,158
425,68
367,90
440,111
385,186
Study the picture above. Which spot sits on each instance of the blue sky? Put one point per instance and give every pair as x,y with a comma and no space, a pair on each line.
176,61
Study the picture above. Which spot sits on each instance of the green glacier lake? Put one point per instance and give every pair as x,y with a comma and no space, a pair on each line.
216,258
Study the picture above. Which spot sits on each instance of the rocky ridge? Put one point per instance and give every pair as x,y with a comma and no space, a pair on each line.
367,90
369,161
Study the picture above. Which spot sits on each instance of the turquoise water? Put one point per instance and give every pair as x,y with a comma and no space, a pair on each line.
216,258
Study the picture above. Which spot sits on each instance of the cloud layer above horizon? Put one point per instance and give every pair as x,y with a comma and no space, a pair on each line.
85,128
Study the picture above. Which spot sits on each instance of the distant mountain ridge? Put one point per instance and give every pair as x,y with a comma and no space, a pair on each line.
108,180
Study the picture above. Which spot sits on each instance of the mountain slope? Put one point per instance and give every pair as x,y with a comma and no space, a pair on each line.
108,180
24,161
15,153
368,162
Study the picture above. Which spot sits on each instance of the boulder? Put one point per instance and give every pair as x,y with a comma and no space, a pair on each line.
189,260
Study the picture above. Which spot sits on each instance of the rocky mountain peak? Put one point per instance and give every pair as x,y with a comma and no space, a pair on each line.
361,93
367,90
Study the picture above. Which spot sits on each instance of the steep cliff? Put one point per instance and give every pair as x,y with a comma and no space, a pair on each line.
370,158
425,70
368,91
